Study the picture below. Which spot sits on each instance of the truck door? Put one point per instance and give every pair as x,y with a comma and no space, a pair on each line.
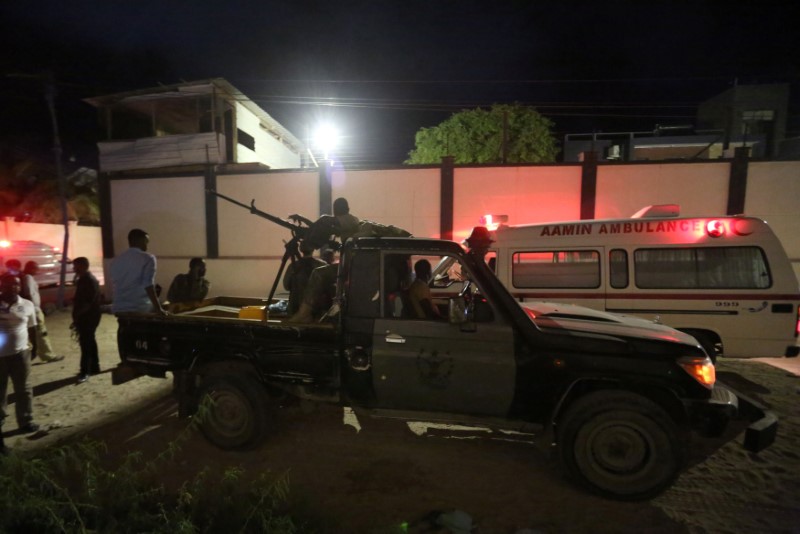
430,364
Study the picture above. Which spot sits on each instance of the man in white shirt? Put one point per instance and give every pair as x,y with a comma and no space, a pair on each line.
17,324
30,290
133,275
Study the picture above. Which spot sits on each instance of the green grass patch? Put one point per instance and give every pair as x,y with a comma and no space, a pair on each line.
74,488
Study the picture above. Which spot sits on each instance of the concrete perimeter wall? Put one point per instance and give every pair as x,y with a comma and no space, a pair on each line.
244,251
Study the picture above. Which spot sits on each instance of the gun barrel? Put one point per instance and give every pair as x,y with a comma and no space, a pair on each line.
296,230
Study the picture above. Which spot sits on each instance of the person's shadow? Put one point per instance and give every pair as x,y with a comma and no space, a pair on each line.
43,389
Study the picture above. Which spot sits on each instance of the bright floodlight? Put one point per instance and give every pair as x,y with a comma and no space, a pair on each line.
326,138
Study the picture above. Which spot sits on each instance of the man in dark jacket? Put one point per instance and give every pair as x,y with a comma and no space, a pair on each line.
86,317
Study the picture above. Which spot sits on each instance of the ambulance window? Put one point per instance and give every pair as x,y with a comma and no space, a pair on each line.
491,260
557,268
702,268
618,268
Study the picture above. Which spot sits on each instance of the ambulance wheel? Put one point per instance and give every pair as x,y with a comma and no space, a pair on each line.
233,411
619,445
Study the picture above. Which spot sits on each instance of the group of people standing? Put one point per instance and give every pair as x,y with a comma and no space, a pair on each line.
23,334
23,330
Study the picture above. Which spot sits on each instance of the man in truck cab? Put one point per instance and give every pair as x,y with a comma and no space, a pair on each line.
419,294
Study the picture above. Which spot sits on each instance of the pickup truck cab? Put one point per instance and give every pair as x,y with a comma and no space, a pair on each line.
617,400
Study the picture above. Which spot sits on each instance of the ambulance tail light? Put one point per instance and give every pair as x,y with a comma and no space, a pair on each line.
797,325
715,228
701,369
5,244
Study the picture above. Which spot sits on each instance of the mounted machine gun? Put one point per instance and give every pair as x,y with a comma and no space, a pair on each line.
317,233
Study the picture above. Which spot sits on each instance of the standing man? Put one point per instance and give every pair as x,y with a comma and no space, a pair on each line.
191,286
17,323
30,290
86,316
133,275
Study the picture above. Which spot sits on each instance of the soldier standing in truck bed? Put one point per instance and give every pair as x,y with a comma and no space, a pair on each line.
318,294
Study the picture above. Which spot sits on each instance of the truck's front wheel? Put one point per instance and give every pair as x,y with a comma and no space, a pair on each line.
620,445
233,411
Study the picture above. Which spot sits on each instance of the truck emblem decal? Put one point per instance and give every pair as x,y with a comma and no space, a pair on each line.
434,370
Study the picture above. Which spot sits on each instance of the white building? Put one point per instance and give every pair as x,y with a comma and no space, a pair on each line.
189,125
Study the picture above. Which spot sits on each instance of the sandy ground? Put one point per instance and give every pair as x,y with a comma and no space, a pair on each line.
384,474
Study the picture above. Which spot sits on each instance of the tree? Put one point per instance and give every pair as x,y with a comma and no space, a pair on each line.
477,136
29,189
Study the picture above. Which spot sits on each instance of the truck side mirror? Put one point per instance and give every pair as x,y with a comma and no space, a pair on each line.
457,310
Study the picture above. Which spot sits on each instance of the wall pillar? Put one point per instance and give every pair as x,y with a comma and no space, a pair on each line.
106,217
212,219
588,185
737,183
447,180
325,188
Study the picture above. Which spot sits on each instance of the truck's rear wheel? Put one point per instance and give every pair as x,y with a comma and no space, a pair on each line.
233,412
620,445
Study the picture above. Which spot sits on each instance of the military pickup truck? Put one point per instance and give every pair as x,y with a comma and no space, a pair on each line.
616,400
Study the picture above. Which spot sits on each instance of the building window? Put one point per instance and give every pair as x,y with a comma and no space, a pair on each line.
759,115
246,140
757,122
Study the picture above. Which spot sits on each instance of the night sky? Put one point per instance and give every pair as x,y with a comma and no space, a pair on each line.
381,69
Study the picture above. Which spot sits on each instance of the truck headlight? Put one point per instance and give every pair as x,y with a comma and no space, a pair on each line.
701,369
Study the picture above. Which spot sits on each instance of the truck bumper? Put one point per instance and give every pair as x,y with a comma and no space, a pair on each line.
763,427
727,404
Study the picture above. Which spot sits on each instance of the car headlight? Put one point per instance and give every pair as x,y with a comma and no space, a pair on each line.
701,369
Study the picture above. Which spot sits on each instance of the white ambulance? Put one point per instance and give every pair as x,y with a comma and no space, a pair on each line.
725,280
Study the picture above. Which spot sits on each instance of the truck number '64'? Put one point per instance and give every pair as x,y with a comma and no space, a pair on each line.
141,344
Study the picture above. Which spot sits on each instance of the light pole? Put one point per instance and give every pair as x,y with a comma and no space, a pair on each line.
50,92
